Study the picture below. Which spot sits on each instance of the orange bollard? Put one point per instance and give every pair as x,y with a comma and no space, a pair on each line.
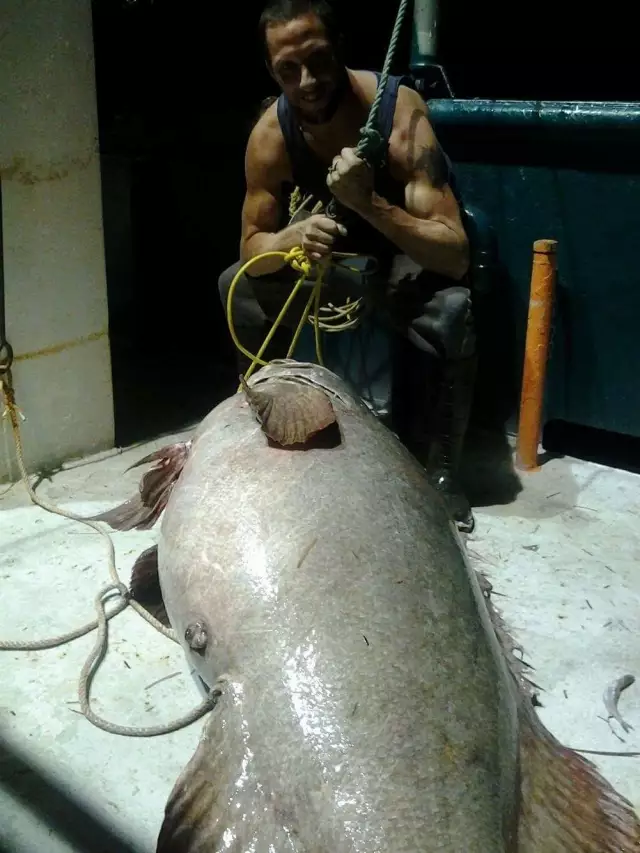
543,279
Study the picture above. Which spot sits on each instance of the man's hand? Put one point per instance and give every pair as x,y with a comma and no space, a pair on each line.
351,180
319,233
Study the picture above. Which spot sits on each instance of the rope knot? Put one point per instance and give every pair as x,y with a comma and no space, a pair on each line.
372,146
297,259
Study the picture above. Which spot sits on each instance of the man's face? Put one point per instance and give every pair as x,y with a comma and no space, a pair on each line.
304,64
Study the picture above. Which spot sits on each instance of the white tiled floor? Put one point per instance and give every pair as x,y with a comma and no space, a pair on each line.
565,553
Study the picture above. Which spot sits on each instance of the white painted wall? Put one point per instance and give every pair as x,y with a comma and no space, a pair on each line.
56,295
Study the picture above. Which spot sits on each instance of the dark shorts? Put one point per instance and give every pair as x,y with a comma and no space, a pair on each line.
431,312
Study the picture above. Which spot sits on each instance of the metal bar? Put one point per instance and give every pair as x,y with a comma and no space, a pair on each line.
532,115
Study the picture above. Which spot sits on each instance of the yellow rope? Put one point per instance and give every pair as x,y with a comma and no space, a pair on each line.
325,318
298,260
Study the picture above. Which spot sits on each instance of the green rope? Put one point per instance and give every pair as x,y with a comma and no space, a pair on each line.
371,147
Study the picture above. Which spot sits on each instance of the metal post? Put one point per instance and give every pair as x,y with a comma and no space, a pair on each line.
543,280
424,44
429,76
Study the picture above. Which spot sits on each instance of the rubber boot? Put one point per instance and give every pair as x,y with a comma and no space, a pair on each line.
414,384
448,430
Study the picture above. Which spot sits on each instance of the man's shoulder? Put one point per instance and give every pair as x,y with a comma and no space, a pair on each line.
267,130
368,82
266,142
410,102
411,117
414,145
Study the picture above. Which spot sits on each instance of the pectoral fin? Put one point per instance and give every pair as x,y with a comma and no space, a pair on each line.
143,510
290,413
218,803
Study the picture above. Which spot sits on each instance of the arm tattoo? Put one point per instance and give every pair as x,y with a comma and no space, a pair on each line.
430,160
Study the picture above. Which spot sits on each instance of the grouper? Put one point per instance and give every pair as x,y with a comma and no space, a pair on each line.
368,695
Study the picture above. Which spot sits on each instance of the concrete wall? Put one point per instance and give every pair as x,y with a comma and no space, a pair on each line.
56,294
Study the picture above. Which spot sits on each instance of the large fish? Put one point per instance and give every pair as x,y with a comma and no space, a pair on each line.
369,697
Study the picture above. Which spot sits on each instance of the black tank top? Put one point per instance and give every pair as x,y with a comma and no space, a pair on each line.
310,173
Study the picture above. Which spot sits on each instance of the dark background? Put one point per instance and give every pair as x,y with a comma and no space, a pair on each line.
178,86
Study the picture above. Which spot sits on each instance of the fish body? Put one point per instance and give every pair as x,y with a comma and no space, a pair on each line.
368,698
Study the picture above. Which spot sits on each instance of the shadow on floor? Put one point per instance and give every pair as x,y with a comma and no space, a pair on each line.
64,817
487,472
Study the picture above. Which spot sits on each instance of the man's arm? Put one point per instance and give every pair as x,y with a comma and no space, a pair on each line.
266,168
430,230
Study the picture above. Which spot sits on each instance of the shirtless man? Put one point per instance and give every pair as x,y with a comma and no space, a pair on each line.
406,211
